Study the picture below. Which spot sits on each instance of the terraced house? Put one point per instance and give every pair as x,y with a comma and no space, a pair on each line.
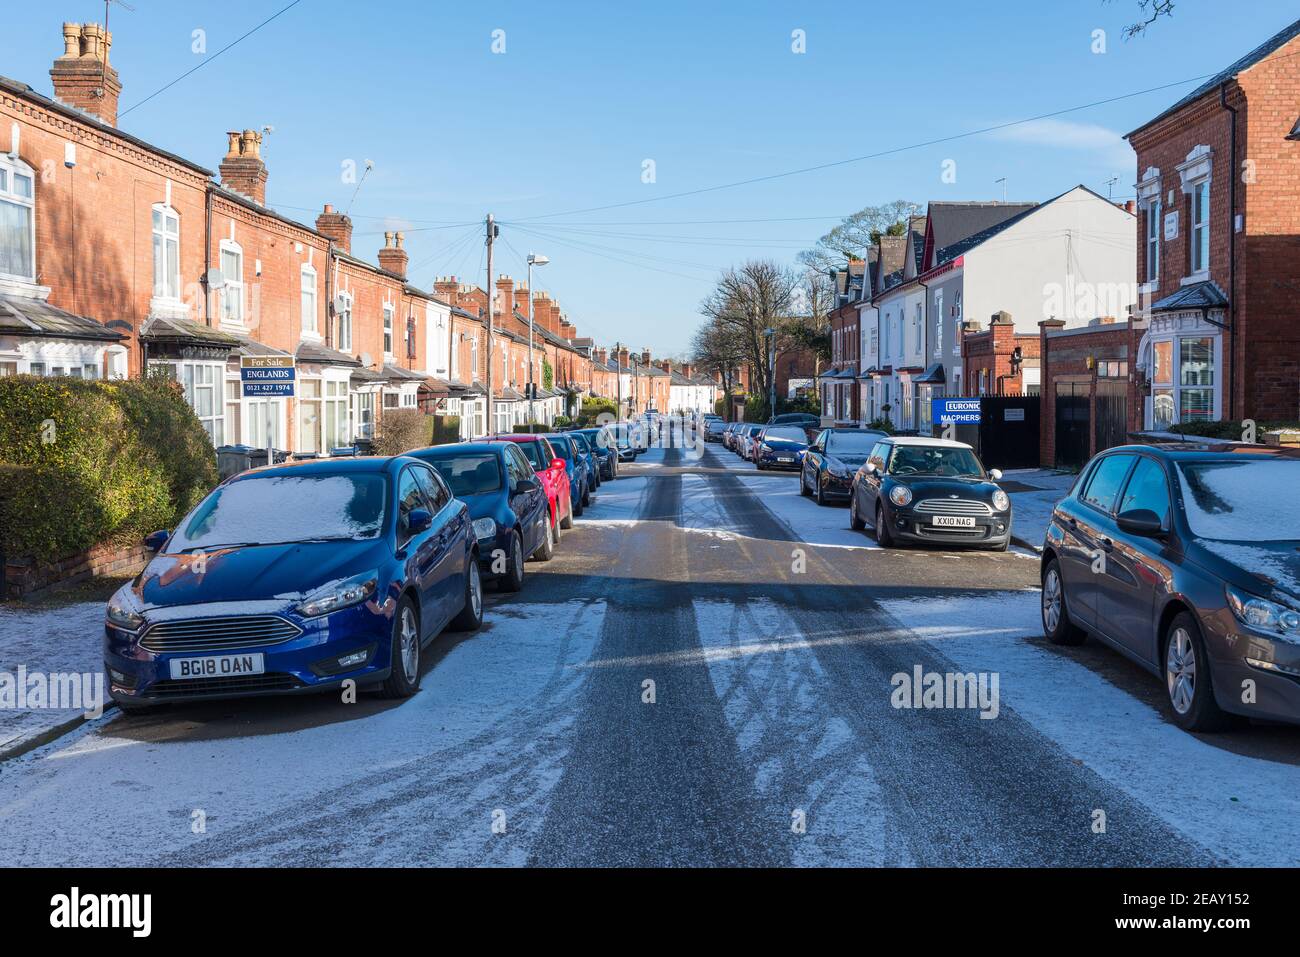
118,258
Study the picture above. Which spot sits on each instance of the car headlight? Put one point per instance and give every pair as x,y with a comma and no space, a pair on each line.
836,469
122,613
765,447
339,595
900,495
1264,615
1000,501
485,528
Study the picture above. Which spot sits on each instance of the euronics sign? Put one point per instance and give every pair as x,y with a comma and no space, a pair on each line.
957,411
267,375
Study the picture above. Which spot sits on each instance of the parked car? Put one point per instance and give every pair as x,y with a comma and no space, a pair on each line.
1186,559
914,488
294,578
781,447
551,469
832,460
729,436
575,465
588,452
714,429
602,443
806,419
623,441
746,441
506,501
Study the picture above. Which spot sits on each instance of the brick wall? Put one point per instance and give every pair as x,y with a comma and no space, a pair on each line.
991,352
23,578
1073,357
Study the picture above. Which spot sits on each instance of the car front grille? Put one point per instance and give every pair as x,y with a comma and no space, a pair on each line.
953,506
218,634
243,684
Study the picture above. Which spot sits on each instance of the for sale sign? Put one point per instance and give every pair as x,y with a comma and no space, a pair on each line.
957,411
267,375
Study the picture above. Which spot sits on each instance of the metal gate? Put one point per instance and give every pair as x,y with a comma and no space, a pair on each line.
1071,424
1008,431
1110,425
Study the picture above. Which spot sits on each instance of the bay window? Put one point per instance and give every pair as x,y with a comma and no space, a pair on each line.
203,382
17,220
336,414
309,415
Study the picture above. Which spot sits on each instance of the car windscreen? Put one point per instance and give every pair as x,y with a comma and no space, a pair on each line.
532,452
851,443
1242,499
598,438
580,441
469,474
785,433
562,447
938,460
280,509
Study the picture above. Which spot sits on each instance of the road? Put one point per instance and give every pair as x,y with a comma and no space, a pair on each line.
704,675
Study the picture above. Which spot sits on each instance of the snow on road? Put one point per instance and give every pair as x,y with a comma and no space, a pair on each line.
486,732
775,695
1234,805
815,524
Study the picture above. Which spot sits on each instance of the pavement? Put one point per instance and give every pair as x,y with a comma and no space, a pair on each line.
1034,493
710,672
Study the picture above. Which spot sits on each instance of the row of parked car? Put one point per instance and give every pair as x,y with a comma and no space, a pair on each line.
906,488
1183,557
300,576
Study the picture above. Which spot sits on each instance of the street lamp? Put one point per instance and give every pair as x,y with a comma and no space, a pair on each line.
533,260
770,333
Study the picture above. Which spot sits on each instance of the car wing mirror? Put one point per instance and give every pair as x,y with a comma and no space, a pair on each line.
154,541
557,463
418,520
995,475
1140,521
525,485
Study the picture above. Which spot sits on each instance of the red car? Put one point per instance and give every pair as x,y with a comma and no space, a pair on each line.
550,469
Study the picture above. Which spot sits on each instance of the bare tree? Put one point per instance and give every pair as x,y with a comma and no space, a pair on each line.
858,232
746,302
1152,10
717,349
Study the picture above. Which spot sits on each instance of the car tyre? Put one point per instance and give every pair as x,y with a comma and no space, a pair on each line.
471,615
820,495
884,537
855,521
586,495
1057,625
513,579
803,485
567,521
404,674
546,550
1187,678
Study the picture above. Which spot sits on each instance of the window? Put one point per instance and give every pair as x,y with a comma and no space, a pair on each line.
166,253
8,368
336,414
391,400
232,293
409,498
1200,239
202,382
1195,379
1147,489
307,299
363,414
1106,481
433,487
234,409
1153,241
388,329
938,323
343,322
956,311
309,415
917,323
264,423
17,220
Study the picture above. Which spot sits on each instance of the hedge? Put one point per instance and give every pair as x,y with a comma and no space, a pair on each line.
93,462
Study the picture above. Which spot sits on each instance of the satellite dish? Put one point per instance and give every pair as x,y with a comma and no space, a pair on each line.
365,358
215,279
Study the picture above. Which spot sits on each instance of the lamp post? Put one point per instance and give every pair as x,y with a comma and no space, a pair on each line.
533,260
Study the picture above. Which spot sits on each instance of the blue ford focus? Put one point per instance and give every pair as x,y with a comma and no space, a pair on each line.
506,503
295,578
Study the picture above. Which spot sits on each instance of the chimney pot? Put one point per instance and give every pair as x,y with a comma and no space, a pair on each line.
82,76
337,227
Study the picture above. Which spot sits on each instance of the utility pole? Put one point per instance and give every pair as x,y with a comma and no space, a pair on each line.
618,376
492,231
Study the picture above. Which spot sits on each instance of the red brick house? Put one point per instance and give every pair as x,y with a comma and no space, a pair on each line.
1219,247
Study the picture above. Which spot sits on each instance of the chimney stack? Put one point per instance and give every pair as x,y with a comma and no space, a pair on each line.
521,302
82,77
623,358
448,289
645,357
505,296
600,355
242,168
336,226
1131,206
687,369
393,258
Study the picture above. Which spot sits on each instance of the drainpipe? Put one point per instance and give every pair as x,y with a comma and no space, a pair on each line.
1232,251
329,294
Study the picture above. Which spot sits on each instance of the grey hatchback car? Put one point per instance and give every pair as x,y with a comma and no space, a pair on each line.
1186,558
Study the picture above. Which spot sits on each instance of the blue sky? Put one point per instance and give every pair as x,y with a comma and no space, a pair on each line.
584,93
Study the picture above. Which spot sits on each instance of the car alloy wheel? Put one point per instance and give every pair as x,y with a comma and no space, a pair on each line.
883,536
410,645
1051,600
1180,671
855,520
513,578
471,614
